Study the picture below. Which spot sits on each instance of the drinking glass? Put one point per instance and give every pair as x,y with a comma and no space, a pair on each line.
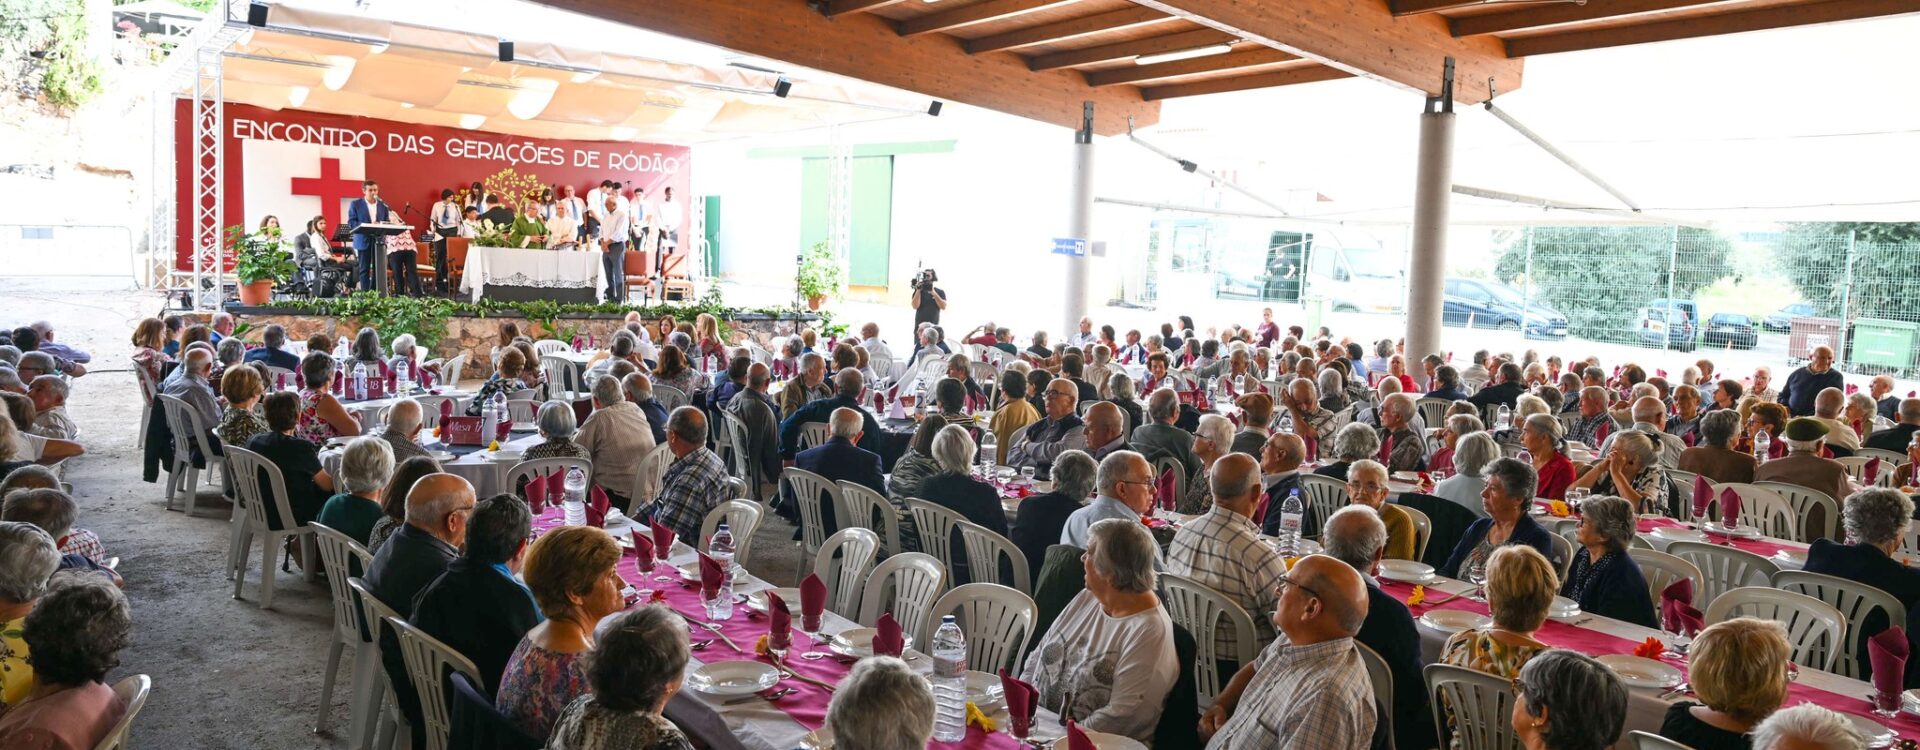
811,626
1477,575
1026,475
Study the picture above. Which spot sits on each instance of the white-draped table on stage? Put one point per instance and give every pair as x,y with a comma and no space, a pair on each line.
533,273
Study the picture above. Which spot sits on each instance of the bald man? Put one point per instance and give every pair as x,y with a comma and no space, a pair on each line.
438,507
1061,430
1829,406
842,458
1309,689
1280,461
1222,548
1106,429
1648,416
1806,383
1356,536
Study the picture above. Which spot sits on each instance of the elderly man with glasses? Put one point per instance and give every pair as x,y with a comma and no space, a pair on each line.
1124,489
1061,430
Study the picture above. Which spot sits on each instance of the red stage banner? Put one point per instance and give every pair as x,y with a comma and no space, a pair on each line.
295,165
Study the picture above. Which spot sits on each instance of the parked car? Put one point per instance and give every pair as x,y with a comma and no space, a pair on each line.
1783,320
1668,324
1474,303
1735,329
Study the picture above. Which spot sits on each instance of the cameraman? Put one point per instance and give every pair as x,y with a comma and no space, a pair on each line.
928,300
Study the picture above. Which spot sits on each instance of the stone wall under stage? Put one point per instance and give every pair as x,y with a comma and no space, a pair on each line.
476,336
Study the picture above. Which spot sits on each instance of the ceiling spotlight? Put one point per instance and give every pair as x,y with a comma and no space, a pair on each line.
1185,54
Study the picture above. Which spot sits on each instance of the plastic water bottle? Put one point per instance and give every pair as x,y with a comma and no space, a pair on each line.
1213,391
989,452
576,485
340,349
360,381
499,411
720,548
1292,513
949,682
489,421
1506,417
402,378
1762,445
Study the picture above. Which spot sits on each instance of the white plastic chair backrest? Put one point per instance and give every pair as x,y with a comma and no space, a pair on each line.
544,347
1433,411
743,519
856,547
983,373
812,434
1563,549
245,467
882,366
1889,459
1080,409
1856,465
744,459
1382,680
1813,627
337,551
867,509
450,371
669,397
523,410
554,467
525,394
131,693
1160,467
184,422
985,549
375,614
1200,609
562,374
1324,496
736,487
997,621
934,523
1685,480
1801,501
653,471
1765,509
1662,569
1722,568
906,585
1422,530
427,659
758,353
148,388
430,410
1647,741
1854,601
1482,705
810,490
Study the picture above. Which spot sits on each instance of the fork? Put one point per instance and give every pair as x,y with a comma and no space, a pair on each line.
1453,597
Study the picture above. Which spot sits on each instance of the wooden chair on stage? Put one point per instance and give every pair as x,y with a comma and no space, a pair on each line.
639,268
456,262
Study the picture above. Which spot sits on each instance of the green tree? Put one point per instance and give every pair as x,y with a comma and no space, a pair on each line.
1600,276
1814,257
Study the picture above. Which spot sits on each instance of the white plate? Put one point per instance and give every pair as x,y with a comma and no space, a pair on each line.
526,427
503,455
1052,732
1876,734
1678,534
1737,532
984,689
757,601
1454,620
1405,476
1407,571
1642,673
859,642
1563,608
733,677
442,456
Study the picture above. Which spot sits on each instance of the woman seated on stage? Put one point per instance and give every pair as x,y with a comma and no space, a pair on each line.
321,415
506,379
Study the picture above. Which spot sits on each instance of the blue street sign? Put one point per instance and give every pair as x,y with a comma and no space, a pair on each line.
1070,246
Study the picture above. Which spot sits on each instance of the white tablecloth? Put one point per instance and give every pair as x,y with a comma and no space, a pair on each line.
487,475
506,266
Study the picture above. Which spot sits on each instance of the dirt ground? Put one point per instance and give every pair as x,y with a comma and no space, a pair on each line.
226,674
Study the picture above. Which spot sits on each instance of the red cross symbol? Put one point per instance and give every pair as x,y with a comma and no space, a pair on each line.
329,188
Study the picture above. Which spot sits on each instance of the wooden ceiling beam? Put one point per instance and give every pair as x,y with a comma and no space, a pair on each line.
1361,37
1731,22
991,10
866,47
1549,15
1231,61
1068,29
1184,40
1417,7
1288,77
843,7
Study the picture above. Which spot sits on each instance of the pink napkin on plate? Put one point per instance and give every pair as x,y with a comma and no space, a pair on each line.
1888,651
887,638
662,540
813,601
1677,613
597,505
779,622
643,549
280,381
711,576
1729,508
1020,702
1163,490
1702,496
446,410
1076,738
1871,471
1689,439
1852,388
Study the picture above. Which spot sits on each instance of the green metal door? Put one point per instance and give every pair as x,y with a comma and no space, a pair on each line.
871,234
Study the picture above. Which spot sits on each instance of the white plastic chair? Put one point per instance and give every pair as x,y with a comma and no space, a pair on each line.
1199,609
1482,705
545,347
130,692
743,519
564,377
855,547
1889,459
1722,568
1662,569
523,410
746,464
985,548
384,724
1324,496
1160,467
339,551
148,389
189,433
1422,529
810,491
555,467
450,371
669,397
868,509
906,585
1856,466
1854,601
1764,509
1646,741
1433,411
427,660
997,621
812,434
246,467
1813,627
1381,677
652,473
430,410
1803,501
933,524
1563,552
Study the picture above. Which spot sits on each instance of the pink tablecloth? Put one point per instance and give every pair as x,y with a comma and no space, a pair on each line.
1762,546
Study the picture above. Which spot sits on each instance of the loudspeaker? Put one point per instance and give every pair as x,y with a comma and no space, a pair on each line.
257,14
781,88
506,51
934,108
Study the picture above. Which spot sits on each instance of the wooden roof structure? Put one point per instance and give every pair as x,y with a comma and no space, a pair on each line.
1041,58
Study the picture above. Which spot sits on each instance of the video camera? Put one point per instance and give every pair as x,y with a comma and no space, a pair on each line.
925,278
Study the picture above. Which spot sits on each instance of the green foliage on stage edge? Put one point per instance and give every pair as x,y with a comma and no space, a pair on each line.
259,257
827,326
426,317
820,273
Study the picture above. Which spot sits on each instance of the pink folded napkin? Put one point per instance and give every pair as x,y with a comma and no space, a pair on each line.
1260,511
392,378
384,371
1888,650
426,378
597,505
1702,496
1076,738
779,622
643,549
300,380
1020,703
712,574
339,382
662,540
1313,448
503,428
1852,388
535,490
280,381
1677,613
1871,471
813,601
446,410
1163,490
887,638
1729,508
1689,439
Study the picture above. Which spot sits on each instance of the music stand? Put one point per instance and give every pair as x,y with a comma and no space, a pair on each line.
377,235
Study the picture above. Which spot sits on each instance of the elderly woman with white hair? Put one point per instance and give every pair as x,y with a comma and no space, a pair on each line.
557,425
883,704
1108,660
28,557
1631,472
1566,700
1332,388
1806,727
1545,441
1874,521
1367,486
365,467
1473,453
955,488
1211,440
1455,427
1353,442
637,664
1121,391
1604,580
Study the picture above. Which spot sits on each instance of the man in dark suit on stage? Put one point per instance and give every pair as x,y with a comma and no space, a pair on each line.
368,209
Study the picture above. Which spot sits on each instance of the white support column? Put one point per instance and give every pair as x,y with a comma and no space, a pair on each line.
1079,221
1426,279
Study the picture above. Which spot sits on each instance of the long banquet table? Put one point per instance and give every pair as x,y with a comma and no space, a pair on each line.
483,469
527,274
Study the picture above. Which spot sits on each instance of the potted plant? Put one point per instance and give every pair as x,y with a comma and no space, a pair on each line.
820,275
260,262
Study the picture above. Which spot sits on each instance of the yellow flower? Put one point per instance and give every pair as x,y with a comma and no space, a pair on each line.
1559,509
1292,561
493,446
760,646
977,717
1419,595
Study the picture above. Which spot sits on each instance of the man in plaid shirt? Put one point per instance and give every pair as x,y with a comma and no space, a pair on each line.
1594,423
1222,550
695,482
